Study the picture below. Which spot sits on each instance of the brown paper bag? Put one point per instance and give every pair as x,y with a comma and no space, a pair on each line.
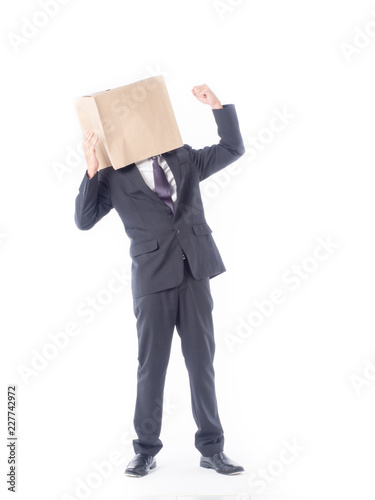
133,122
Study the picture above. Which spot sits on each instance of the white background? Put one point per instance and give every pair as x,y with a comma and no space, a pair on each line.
306,375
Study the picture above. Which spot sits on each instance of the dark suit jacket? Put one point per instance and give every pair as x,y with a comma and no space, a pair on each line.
158,238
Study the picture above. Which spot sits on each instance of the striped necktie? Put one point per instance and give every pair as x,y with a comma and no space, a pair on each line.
162,187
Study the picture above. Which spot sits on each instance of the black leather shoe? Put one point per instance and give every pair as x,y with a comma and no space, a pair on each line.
221,463
140,465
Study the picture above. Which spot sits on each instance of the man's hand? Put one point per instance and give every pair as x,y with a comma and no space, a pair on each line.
205,95
89,143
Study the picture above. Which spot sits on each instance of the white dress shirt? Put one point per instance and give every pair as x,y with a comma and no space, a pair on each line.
146,170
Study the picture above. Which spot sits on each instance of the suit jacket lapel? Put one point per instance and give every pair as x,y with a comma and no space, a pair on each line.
135,175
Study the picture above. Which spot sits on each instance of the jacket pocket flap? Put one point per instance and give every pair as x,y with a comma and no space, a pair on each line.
137,248
202,228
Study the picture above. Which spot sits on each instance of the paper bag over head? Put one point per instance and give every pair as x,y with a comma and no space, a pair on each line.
133,122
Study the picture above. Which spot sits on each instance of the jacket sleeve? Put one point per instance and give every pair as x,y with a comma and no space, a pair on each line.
211,159
93,201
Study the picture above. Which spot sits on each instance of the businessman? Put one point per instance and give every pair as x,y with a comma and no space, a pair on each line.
173,258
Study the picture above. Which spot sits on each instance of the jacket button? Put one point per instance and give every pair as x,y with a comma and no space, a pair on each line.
167,212
178,231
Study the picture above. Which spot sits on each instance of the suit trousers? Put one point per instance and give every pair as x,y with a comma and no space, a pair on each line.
188,307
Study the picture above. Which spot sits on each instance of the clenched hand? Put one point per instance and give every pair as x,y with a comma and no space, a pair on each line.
205,95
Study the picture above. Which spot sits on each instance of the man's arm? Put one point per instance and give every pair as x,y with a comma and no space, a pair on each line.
211,159
94,198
